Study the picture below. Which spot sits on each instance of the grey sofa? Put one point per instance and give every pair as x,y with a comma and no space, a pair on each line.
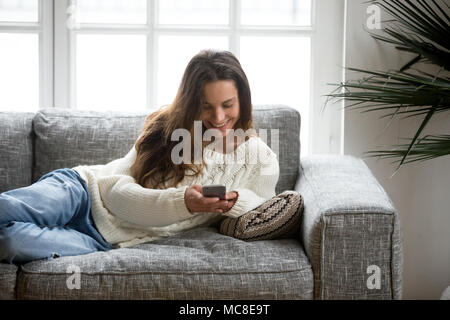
349,224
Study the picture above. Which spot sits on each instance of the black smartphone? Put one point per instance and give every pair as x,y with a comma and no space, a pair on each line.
214,190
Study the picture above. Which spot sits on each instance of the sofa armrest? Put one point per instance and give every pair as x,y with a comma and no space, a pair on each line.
350,230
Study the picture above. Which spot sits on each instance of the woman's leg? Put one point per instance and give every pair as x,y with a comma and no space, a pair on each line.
52,201
52,216
22,242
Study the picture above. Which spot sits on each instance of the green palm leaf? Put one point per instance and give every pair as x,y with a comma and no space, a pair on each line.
422,28
419,27
427,148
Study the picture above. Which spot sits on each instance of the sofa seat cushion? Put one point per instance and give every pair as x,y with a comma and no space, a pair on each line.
196,264
8,276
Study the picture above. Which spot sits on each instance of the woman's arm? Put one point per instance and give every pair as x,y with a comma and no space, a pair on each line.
129,201
141,206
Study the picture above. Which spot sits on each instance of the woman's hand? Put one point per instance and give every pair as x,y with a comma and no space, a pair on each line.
196,202
231,197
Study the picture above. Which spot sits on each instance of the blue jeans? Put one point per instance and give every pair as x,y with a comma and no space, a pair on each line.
49,219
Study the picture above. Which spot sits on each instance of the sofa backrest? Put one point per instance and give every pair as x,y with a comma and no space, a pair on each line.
16,150
66,138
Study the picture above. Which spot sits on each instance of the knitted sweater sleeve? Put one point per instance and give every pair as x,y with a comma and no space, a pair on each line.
258,187
143,207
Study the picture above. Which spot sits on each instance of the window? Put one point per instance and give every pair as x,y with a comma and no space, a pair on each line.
130,55
25,54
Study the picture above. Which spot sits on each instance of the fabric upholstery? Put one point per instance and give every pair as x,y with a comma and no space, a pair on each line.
287,121
196,264
16,150
349,225
67,138
8,275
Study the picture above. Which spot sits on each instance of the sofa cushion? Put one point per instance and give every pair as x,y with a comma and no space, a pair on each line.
67,138
196,264
8,275
287,121
16,150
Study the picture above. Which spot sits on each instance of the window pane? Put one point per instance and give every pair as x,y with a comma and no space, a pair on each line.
175,52
19,76
193,12
19,10
276,12
111,11
111,72
278,70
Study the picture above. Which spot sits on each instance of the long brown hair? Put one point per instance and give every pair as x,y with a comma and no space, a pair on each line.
153,166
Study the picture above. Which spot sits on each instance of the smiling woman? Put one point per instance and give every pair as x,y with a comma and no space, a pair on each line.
146,195
221,107
214,89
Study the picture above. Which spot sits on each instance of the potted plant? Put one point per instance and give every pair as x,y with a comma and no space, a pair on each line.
422,28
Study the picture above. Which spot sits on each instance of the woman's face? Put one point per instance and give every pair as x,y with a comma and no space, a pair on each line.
221,105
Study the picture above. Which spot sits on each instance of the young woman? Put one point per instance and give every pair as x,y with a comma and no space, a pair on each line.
146,194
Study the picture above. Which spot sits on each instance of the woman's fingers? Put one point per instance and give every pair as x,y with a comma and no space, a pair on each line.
231,198
196,202
193,193
231,195
221,205
209,200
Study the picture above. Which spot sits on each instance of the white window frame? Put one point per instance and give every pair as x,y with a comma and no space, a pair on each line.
327,36
44,29
326,131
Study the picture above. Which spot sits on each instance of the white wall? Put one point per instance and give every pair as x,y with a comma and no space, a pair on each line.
420,192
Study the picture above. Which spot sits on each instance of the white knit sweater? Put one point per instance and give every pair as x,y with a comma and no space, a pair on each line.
126,214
